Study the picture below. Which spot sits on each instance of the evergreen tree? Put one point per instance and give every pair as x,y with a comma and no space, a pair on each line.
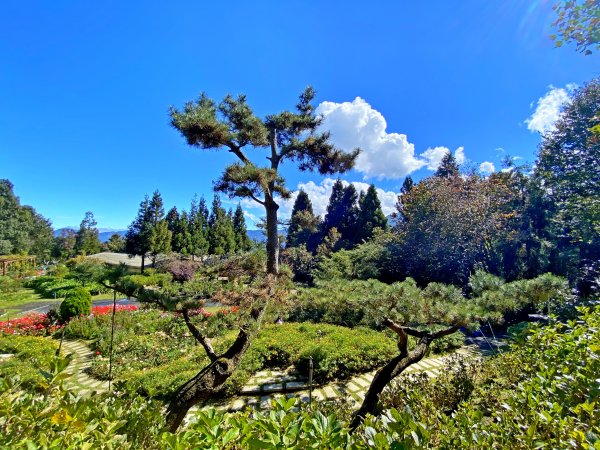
568,168
159,239
172,219
138,233
448,167
221,237
407,185
293,136
335,207
158,234
87,242
303,225
64,244
242,241
22,229
370,215
115,243
182,238
198,227
348,226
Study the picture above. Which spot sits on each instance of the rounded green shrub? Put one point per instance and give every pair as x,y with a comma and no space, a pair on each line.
77,302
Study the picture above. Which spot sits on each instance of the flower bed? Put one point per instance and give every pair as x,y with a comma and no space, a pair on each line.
41,325
31,325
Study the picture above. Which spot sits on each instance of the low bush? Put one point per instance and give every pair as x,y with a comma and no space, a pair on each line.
31,353
337,352
77,303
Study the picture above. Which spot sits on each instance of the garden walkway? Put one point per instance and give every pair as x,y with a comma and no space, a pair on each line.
267,385
82,358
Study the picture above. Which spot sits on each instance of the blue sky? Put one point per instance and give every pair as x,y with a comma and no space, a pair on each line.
85,89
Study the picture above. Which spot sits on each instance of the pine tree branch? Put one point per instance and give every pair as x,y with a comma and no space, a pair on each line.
203,340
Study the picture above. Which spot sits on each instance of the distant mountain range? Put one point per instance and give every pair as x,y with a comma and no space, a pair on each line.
104,234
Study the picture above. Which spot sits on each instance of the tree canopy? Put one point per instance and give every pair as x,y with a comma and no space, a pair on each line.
293,136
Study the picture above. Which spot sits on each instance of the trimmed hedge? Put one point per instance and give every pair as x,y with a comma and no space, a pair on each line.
77,303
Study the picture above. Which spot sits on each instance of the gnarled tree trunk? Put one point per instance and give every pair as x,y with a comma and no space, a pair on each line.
210,380
396,366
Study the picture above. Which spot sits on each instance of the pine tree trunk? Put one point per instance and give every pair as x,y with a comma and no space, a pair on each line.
383,377
208,382
143,262
272,237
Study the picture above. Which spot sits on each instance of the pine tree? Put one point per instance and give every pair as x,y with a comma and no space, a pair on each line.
370,215
87,242
242,241
448,167
293,136
303,223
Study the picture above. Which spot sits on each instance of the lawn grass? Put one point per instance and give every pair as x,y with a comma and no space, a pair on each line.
10,303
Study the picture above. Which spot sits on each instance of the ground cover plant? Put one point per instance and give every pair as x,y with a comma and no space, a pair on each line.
538,395
153,350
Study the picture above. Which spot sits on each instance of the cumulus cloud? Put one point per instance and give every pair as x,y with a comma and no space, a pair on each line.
357,124
487,167
548,109
434,156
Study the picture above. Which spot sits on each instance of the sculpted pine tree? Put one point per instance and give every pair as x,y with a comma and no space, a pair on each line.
291,136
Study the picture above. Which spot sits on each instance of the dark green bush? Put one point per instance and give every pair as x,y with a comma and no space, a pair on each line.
78,302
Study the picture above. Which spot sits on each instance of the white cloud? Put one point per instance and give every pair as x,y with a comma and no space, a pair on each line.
548,109
487,167
357,124
434,156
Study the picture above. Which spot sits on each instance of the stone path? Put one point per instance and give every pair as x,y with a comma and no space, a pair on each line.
82,357
264,386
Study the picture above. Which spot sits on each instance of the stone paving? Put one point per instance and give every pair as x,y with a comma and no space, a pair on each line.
82,357
267,385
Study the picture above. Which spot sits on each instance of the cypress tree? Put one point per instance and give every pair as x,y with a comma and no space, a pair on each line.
136,239
242,241
221,235
334,214
198,228
303,224
370,215
87,242
448,167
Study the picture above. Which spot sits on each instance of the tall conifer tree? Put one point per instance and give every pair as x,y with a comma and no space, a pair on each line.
370,215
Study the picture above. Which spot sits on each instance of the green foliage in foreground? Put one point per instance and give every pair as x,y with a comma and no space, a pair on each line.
543,394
